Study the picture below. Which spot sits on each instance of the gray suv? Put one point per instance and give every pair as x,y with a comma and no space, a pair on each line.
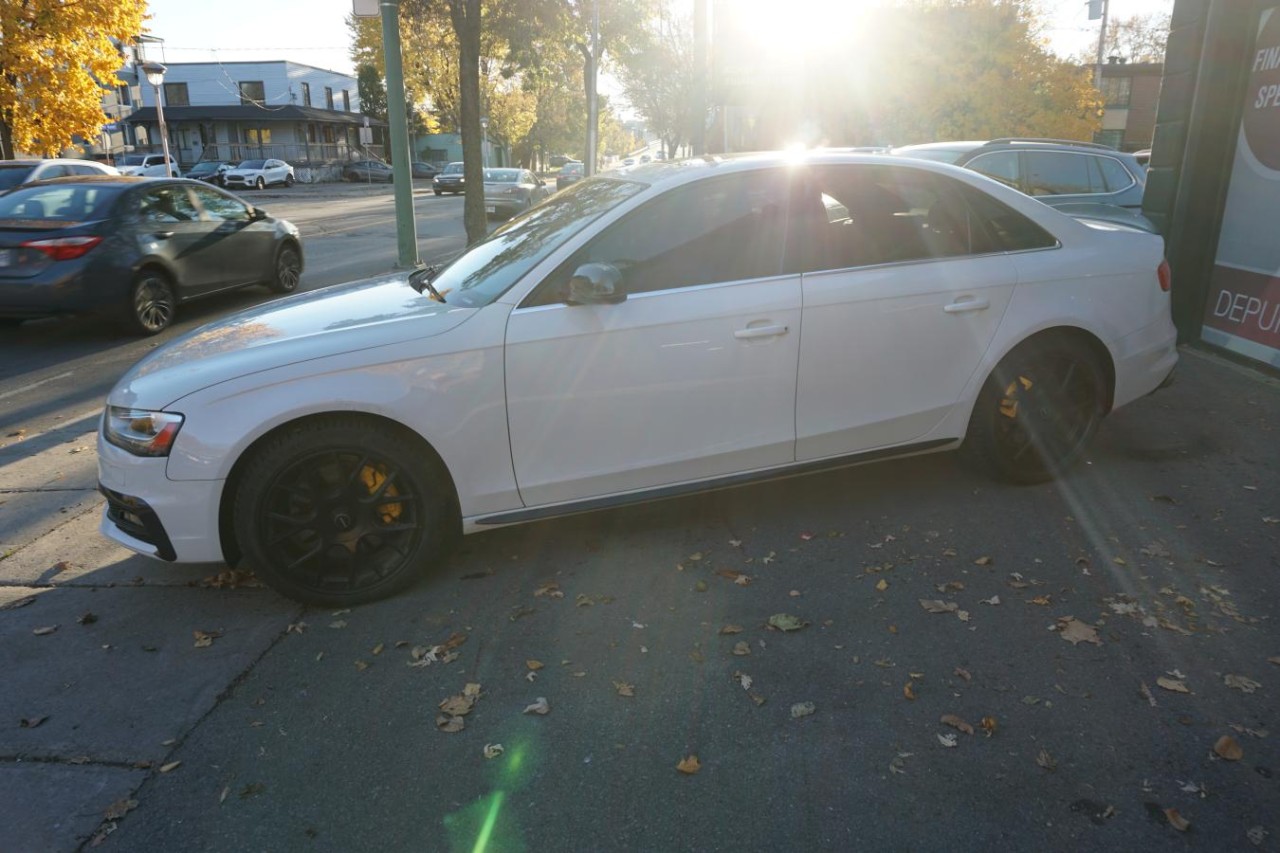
1081,178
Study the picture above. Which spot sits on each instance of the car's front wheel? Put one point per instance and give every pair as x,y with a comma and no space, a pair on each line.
438,192
152,304
288,180
260,183
288,270
338,511
1039,409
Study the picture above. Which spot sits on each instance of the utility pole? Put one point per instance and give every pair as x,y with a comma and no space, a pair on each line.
593,108
699,129
1102,36
398,147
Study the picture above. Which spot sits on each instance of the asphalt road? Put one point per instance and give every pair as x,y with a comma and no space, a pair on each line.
1109,629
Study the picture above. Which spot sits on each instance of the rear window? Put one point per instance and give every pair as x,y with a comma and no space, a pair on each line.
11,176
502,176
571,169
62,203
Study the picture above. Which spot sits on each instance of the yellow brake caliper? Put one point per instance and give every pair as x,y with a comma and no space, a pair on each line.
1009,405
373,478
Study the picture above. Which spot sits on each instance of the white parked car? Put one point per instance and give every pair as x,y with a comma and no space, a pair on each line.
15,172
636,336
147,165
258,174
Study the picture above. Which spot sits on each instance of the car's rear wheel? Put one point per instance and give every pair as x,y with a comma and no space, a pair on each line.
152,304
260,183
1039,409
288,270
338,511
288,180
438,192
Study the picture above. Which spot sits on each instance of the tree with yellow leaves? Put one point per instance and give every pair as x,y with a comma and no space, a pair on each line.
56,58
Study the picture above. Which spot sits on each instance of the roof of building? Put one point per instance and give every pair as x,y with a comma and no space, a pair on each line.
248,112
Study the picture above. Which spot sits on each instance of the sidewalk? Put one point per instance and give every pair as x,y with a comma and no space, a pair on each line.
1116,626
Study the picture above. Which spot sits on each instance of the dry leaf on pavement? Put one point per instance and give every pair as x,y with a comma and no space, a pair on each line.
989,725
1275,660
882,585
1045,760
994,601
731,629
1172,684
204,639
744,680
908,692
119,809
802,709
624,689
1229,748
963,673
446,723
982,561
539,707
786,622
1176,820
172,765
933,605
1241,682
948,741
31,722
742,647
689,765
533,664
548,590
493,750
45,630
957,723
1076,632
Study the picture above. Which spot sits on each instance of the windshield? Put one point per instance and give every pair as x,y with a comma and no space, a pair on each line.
201,168
252,164
11,176
493,265
453,169
502,176
131,160
59,202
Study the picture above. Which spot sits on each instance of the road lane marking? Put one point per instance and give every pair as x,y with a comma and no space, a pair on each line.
25,388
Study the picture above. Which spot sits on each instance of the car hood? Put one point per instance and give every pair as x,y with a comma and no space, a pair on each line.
343,318
244,172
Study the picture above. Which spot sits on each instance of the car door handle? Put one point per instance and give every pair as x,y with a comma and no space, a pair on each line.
760,332
964,305
163,235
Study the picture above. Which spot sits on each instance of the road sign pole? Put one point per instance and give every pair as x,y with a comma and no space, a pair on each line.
402,172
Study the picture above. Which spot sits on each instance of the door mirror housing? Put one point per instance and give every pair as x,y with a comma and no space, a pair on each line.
596,284
257,214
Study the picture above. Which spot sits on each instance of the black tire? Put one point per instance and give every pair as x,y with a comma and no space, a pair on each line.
438,192
152,304
288,180
260,184
1038,411
287,271
313,517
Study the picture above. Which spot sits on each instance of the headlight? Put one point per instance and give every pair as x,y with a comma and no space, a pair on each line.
140,432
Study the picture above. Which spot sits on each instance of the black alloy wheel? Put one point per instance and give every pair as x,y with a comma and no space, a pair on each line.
288,180
1039,410
260,183
338,511
152,304
288,270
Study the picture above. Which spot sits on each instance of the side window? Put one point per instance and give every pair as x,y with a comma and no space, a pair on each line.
1002,227
82,169
167,205
723,229
1057,173
219,207
1000,165
1115,175
57,170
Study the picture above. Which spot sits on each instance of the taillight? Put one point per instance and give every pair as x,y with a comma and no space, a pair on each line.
1165,275
63,248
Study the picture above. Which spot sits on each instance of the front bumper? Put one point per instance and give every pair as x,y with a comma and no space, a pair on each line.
146,512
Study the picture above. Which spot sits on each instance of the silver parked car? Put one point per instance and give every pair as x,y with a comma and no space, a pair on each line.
511,191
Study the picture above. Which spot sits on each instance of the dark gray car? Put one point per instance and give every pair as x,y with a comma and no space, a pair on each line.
134,248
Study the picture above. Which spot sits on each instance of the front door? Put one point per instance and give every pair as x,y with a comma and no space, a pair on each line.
691,377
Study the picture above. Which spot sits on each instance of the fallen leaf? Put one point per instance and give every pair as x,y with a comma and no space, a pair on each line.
882,585
1256,835
295,627
993,601
962,615
1176,820
948,552
1241,682
548,590
795,593
736,543
534,664
82,449
120,808
520,611
933,605
1045,760
624,689
583,600
737,577
948,741
361,666
989,725
252,790
963,673
768,558
908,692
786,622
743,679
949,586
957,723
539,707
1275,660
1229,748
31,722
450,725
700,586
689,765
172,765
338,623
731,629
1172,684
1075,632
741,648
1147,694
45,630
204,639
802,709
493,750
982,561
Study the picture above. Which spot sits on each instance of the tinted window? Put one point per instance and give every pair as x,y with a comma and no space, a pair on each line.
252,164
1001,227
1115,176
219,207
724,229
1001,165
11,176
65,202
166,205
1057,173
83,169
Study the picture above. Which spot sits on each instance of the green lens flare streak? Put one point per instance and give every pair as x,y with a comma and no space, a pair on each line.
490,820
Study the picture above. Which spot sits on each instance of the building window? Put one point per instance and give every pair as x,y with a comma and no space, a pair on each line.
306,94
1115,91
122,93
328,98
257,135
327,131
252,93
175,95
346,100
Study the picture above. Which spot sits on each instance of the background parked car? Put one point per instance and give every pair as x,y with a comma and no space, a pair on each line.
1057,172
151,165
210,171
570,173
423,170
367,170
510,191
258,174
134,248
450,180
15,172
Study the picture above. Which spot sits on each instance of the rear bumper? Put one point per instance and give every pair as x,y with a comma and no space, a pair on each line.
1145,361
57,291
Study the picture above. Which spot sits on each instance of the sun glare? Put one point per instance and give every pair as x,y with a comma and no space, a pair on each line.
788,31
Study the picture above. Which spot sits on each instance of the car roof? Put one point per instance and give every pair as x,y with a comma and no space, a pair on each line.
123,180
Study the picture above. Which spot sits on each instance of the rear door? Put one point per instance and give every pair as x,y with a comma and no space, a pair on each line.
242,247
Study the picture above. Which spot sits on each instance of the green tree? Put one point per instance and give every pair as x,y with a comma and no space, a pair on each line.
56,58
660,78
373,94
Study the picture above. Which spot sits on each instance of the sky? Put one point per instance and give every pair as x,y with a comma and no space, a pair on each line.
315,32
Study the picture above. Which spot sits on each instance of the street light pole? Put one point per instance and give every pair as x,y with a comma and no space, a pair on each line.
484,142
155,76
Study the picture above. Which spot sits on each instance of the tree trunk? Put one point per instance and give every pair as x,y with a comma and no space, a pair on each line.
466,25
6,140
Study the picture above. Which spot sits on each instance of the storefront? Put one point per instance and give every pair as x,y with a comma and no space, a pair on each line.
1214,187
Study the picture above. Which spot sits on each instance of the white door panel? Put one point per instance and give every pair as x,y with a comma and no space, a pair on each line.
888,350
666,387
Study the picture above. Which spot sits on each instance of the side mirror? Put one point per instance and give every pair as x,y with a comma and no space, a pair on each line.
257,214
596,284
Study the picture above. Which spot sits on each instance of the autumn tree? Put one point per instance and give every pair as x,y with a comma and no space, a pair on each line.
1138,38
56,58
660,77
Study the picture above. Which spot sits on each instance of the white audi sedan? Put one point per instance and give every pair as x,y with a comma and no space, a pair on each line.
674,328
